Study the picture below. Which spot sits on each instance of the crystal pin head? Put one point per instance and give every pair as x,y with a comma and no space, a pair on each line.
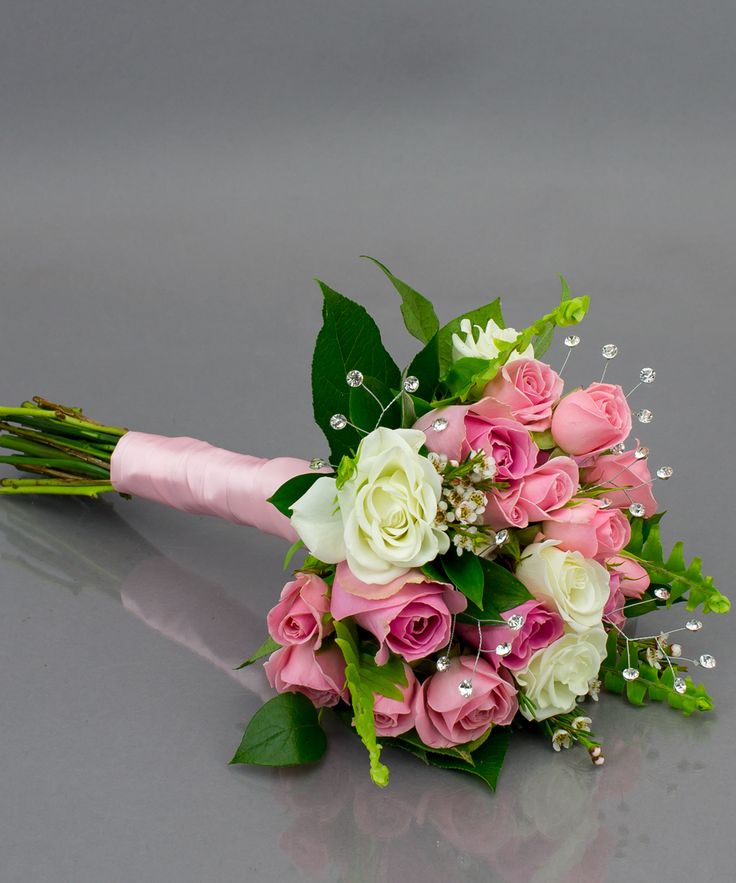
647,375
641,453
605,502
515,622
707,661
572,340
637,510
501,536
619,448
443,663
411,383
317,463
661,593
665,472
693,625
609,351
338,421
630,674
644,415
465,688
354,379
679,685
503,649
439,424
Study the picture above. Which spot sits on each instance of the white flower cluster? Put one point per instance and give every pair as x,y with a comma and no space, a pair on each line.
463,499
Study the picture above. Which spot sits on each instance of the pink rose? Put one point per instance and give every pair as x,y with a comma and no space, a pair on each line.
393,716
629,576
542,627
445,718
298,669
589,528
413,622
549,486
487,425
590,420
613,471
507,441
613,611
530,389
299,616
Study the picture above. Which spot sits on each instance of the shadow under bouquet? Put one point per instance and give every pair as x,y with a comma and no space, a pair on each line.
471,549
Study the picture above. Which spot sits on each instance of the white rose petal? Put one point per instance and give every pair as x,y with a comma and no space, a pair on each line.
479,342
382,519
317,520
577,587
558,674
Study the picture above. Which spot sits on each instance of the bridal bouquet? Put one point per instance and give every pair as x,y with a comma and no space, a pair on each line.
471,549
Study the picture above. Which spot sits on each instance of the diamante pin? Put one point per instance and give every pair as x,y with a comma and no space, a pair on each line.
693,625
641,453
644,415
515,622
439,424
662,594
707,661
443,663
572,340
465,688
354,378
605,503
647,375
619,448
637,510
609,351
679,685
665,472
503,649
317,463
338,421
501,536
630,674
411,383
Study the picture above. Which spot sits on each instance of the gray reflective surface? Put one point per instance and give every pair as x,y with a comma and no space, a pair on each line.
173,175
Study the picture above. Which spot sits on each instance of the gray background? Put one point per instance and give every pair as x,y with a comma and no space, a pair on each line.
173,174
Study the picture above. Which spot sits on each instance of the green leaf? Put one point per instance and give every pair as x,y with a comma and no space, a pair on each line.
465,573
292,490
364,410
361,697
383,679
291,551
683,580
419,316
283,732
463,374
487,760
268,647
348,340
543,340
479,316
425,366
502,591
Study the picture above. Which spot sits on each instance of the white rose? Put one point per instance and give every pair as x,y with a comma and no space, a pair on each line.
484,347
578,587
558,674
382,519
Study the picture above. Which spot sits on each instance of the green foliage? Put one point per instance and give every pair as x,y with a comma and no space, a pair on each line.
683,580
283,732
365,412
419,316
484,761
362,684
348,340
652,684
502,590
291,490
266,649
465,573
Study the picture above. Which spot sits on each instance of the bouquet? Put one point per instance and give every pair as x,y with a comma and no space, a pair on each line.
469,552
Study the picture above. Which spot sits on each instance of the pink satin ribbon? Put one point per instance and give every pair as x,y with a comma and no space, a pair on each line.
196,477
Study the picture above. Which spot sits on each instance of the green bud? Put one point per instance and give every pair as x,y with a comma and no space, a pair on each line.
572,311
